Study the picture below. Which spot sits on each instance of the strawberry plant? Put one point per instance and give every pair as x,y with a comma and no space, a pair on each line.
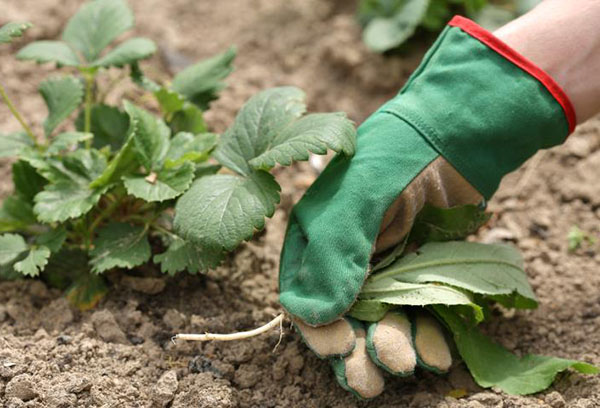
106,186
387,24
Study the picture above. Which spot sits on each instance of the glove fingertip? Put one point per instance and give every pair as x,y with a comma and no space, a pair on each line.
389,344
433,351
333,340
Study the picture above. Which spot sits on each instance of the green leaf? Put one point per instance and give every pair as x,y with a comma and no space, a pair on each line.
34,262
18,211
369,310
12,144
384,33
313,133
495,270
132,50
182,255
447,224
96,24
120,245
169,101
12,30
188,119
26,180
64,267
11,246
221,211
491,365
66,141
49,51
123,162
108,124
62,97
87,291
257,124
151,137
187,147
138,77
201,83
53,239
165,185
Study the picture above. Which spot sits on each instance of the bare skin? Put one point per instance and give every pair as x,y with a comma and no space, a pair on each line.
563,38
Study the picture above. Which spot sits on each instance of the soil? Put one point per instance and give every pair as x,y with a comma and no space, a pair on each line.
120,354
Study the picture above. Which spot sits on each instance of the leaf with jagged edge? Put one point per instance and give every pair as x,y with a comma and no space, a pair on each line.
119,245
201,82
151,137
184,256
188,119
34,262
314,133
222,210
49,51
18,210
26,180
53,239
67,140
108,124
256,125
12,30
132,50
12,144
165,185
11,246
96,24
62,97
186,147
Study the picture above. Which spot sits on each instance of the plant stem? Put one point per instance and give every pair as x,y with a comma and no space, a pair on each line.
233,336
89,88
105,213
17,115
164,230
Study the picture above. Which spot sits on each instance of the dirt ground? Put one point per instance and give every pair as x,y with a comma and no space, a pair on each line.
120,355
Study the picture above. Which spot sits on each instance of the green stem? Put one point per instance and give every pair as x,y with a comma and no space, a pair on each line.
89,89
102,216
17,115
164,231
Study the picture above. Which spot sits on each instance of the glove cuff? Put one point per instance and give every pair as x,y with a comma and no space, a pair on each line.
482,105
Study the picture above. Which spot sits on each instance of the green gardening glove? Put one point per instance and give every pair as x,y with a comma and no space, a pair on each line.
472,112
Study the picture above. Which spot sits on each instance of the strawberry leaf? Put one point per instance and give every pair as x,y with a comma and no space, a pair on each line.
12,144
168,183
187,147
108,124
67,140
34,262
132,50
96,24
11,246
151,137
49,51
26,180
53,239
182,255
12,30
201,83
62,97
222,210
120,245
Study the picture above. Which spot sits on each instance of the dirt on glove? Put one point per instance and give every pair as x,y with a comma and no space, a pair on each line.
120,355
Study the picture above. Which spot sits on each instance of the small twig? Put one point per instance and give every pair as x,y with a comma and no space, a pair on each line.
17,115
233,336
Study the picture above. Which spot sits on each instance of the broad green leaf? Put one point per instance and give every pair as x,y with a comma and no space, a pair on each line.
201,83
49,51
12,144
12,30
417,294
188,119
204,169
257,124
182,256
313,133
64,200
491,365
26,180
132,50
123,162
34,262
67,140
62,97
11,246
169,101
119,245
495,270
52,239
437,15
96,24
369,310
384,33
221,211
86,291
151,137
17,210
64,267
447,224
108,124
186,147
165,185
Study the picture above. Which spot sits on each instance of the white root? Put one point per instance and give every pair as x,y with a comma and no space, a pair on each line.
233,336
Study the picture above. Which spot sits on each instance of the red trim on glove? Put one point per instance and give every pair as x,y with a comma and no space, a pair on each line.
519,60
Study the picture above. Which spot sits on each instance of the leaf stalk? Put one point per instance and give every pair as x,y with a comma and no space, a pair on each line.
17,115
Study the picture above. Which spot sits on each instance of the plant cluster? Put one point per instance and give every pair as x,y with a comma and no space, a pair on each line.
123,186
387,24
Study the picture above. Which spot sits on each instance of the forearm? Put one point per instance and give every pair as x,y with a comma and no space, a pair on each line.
563,38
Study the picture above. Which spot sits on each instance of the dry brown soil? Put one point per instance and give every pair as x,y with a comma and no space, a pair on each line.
120,355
